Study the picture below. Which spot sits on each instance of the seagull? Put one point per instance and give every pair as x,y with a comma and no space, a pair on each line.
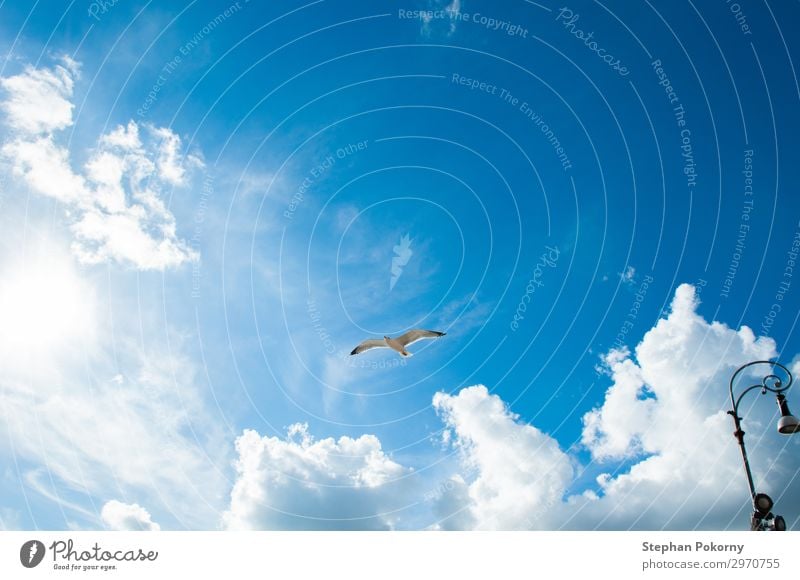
399,344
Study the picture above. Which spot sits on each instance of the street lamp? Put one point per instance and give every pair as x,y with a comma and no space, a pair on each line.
762,518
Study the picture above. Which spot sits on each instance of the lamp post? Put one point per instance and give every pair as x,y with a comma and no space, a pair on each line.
762,518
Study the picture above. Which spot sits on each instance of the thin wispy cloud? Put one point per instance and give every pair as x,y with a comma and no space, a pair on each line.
450,12
101,436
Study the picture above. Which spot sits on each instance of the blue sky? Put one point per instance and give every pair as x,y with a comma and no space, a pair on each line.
201,211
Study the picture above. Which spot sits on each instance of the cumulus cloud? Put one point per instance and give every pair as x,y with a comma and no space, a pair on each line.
115,204
678,378
663,419
127,517
39,99
657,452
45,167
666,411
299,482
171,167
518,469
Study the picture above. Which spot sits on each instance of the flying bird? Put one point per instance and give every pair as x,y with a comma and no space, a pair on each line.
399,344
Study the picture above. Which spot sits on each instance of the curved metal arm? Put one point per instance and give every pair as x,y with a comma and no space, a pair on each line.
771,382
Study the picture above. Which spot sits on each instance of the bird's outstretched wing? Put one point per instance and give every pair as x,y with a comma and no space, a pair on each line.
413,336
368,344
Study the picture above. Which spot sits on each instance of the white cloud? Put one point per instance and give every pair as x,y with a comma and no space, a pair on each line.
667,407
682,363
612,430
171,168
127,517
124,137
664,417
303,483
628,276
115,206
122,237
39,99
44,166
518,469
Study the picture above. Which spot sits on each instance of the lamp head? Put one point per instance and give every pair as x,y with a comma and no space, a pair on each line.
762,503
788,423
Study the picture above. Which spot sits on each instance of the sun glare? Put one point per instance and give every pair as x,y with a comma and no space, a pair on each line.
43,306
